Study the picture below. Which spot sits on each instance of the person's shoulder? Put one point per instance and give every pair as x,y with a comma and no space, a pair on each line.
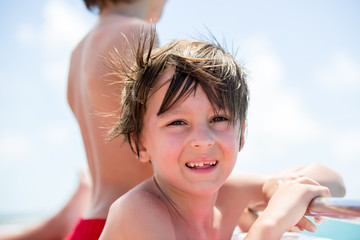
132,30
126,27
137,22
135,199
122,35
140,209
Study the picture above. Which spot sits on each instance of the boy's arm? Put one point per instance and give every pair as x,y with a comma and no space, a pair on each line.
321,174
238,184
138,216
286,209
261,187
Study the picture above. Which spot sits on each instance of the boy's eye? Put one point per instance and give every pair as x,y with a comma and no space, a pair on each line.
176,123
219,119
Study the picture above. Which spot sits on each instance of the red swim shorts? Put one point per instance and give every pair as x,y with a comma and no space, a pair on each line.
87,229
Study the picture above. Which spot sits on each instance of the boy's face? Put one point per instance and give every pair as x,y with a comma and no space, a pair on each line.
190,147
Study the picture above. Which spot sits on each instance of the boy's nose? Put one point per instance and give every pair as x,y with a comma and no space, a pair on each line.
202,138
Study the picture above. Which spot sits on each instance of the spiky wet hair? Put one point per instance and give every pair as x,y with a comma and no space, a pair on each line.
195,63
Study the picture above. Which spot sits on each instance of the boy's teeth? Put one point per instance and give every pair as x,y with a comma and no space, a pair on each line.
201,164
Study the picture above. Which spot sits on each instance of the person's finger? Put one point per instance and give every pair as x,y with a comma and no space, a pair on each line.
318,220
307,180
306,224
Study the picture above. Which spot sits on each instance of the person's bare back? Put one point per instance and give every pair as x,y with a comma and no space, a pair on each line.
113,167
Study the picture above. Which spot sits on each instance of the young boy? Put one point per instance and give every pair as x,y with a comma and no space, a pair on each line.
184,111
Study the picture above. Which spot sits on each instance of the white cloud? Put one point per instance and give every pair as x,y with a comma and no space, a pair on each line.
263,63
58,134
275,111
340,72
346,147
25,34
282,133
63,26
14,146
55,72
278,121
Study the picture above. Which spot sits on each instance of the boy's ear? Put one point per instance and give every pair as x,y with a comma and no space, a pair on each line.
242,141
141,153
144,156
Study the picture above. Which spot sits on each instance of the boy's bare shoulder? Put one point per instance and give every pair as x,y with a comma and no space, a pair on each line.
139,214
137,198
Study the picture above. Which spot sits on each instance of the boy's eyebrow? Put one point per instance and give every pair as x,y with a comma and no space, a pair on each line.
180,110
173,111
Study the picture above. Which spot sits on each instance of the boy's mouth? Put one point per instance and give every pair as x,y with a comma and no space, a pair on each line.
201,165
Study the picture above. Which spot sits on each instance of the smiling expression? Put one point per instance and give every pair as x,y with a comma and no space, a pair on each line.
191,146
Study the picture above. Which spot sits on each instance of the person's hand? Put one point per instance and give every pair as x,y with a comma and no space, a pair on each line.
271,184
290,199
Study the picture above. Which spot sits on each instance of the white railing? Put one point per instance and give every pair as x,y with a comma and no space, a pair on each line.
341,209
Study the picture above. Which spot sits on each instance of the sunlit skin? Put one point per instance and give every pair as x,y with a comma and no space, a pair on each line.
192,148
185,137
113,167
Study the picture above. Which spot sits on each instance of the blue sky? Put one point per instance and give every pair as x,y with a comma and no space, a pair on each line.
303,59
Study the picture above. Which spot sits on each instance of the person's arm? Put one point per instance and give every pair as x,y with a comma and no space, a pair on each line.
321,174
286,208
138,216
262,187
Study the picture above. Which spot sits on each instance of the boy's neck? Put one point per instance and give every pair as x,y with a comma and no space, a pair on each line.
193,213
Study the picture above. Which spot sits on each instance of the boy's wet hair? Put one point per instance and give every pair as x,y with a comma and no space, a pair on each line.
99,5
195,63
